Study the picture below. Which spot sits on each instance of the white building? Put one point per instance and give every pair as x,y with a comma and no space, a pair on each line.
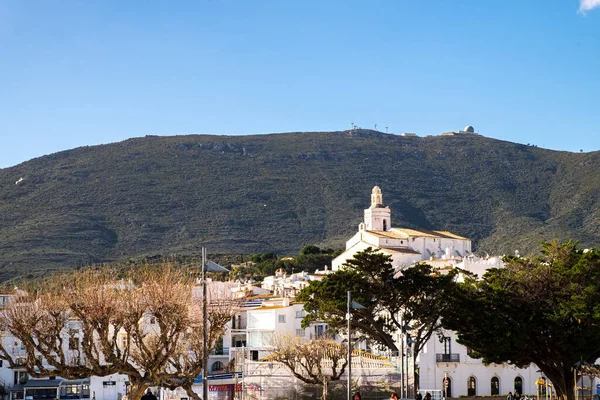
405,246
443,358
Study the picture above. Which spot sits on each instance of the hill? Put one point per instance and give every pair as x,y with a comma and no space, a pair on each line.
279,192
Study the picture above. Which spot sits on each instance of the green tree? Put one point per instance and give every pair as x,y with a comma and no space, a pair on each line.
369,277
543,310
411,300
424,293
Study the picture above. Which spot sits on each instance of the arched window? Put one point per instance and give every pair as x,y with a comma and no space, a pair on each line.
385,225
217,366
448,386
471,386
519,384
495,389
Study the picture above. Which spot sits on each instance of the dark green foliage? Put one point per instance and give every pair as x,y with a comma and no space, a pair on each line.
276,193
391,300
268,263
544,310
412,301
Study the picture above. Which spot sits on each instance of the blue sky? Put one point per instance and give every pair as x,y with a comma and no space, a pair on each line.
76,73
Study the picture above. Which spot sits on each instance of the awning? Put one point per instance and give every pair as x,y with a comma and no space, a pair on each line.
43,383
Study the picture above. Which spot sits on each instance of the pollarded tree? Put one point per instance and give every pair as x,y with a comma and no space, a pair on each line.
315,362
543,310
147,326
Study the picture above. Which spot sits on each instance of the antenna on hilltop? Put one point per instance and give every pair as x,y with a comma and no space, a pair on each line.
386,130
375,126
352,125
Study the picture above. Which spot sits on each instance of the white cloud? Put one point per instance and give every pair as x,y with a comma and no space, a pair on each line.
587,5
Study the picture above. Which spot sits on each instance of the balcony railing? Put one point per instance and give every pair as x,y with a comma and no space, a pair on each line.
220,352
453,357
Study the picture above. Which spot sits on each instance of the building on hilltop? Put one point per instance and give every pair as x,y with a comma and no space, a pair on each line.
469,130
405,246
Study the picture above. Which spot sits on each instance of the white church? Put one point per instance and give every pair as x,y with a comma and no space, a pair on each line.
446,368
405,246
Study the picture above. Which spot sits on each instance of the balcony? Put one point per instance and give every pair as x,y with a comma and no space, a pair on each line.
220,352
452,357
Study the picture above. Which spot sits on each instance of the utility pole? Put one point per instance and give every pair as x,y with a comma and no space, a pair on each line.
349,349
204,327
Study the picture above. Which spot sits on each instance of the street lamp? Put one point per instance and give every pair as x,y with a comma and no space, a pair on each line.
578,366
356,306
206,267
541,381
403,376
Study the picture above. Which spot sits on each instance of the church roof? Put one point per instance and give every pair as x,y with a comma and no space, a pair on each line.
400,250
427,233
388,234
404,233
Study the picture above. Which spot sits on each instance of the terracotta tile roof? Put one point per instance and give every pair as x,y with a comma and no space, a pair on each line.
401,250
388,234
427,233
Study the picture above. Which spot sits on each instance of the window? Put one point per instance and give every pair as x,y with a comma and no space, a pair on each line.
471,386
300,314
282,318
447,382
254,355
217,366
519,384
300,332
152,320
123,341
20,377
73,343
385,225
495,386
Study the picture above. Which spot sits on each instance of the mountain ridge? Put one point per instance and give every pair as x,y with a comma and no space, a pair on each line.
279,192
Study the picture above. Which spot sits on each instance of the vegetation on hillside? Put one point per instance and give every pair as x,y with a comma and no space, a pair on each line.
275,193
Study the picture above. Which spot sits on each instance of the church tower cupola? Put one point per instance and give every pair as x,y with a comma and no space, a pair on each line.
377,217
376,197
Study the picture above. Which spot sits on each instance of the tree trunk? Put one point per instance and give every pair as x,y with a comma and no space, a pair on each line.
563,381
414,376
190,392
325,390
136,390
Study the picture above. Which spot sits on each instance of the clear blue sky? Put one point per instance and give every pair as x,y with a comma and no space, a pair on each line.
76,73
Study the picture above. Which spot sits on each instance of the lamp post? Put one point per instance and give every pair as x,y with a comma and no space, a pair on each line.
578,366
351,304
206,267
539,384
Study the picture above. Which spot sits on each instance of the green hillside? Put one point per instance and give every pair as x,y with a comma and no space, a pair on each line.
246,194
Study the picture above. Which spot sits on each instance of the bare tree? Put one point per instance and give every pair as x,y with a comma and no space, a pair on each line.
316,362
146,325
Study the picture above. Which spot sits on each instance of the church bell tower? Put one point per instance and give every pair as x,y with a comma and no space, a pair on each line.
377,217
